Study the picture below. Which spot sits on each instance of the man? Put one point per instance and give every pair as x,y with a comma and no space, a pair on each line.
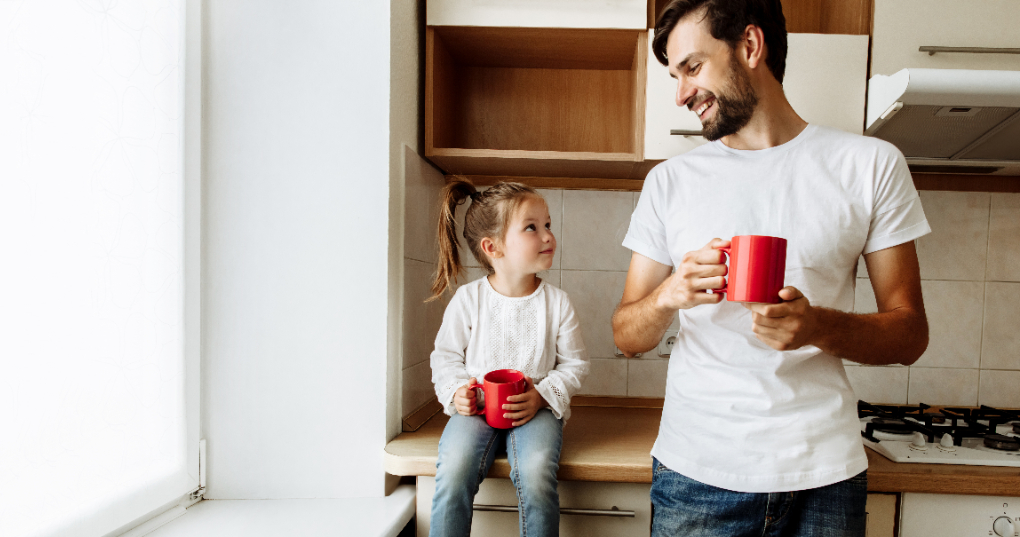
759,432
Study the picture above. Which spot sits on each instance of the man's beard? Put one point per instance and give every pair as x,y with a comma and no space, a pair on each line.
734,105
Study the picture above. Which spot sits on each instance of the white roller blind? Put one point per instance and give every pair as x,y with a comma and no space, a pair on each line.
93,410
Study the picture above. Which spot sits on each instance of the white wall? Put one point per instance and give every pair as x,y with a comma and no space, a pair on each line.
296,263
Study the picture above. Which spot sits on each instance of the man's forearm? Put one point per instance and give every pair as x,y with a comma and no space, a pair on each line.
899,336
638,326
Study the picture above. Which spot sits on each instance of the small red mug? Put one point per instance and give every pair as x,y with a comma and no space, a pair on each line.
496,387
757,269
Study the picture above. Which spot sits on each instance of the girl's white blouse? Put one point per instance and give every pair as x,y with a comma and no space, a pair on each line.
537,334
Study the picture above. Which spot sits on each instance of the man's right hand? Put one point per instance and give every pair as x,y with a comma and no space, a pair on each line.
465,400
699,271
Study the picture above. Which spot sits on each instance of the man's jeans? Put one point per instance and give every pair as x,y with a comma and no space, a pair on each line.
466,451
686,507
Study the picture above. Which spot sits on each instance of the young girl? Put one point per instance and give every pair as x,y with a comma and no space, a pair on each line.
509,319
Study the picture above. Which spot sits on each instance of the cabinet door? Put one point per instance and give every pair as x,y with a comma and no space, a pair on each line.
901,27
624,14
825,82
881,515
573,495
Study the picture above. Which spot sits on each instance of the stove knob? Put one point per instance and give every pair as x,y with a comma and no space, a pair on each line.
1003,527
918,443
946,444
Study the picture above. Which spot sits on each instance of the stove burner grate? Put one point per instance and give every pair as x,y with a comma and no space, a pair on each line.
959,423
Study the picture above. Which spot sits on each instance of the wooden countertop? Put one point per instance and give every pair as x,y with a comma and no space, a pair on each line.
609,439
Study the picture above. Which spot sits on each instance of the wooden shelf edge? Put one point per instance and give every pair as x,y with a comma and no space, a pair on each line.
966,183
532,155
557,183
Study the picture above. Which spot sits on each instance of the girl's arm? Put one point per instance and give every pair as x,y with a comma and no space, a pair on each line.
448,360
571,363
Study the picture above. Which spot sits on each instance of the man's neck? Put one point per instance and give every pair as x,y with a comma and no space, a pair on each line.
774,122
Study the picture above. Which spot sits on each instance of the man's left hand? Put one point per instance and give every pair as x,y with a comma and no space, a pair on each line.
789,325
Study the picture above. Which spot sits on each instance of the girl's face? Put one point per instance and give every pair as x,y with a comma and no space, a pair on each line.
529,244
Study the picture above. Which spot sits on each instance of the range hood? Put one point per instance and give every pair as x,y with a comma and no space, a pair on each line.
949,120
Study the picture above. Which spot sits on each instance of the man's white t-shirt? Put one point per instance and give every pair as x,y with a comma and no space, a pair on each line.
738,414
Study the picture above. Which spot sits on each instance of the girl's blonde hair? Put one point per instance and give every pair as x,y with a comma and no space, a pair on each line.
488,216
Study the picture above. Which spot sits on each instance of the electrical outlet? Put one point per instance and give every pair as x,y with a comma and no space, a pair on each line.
666,345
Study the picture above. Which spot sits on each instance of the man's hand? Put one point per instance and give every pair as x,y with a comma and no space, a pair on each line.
465,400
786,326
699,271
525,405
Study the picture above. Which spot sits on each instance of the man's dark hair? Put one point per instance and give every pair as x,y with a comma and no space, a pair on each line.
727,20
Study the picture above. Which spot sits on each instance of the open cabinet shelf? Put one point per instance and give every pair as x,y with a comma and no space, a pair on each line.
550,102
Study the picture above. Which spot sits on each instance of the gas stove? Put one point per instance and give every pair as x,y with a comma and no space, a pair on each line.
983,436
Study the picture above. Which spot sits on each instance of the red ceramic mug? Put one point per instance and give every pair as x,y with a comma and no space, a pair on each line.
757,269
496,387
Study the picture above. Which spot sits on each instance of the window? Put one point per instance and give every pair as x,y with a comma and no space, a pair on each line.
98,262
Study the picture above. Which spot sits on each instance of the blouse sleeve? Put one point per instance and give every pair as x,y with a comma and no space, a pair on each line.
571,364
448,360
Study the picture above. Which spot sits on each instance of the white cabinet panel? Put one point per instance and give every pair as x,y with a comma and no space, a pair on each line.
663,115
902,26
827,78
629,14
825,82
573,495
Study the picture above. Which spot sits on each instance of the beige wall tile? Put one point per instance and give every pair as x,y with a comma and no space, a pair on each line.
595,296
954,323
594,225
416,388
606,377
937,386
1000,389
864,297
1000,347
956,249
879,384
646,377
1004,238
421,206
421,319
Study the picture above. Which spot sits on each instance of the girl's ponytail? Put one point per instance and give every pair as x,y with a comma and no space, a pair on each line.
453,194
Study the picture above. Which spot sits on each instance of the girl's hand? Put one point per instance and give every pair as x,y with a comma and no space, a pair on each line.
465,400
525,405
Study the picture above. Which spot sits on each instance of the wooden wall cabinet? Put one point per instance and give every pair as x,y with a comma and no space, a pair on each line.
535,88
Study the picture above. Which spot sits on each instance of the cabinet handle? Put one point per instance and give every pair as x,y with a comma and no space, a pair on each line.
971,50
681,132
614,512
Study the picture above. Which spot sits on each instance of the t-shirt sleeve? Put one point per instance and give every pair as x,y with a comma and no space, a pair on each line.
647,232
897,216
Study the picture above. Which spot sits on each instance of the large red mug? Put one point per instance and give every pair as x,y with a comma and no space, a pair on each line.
497,386
757,269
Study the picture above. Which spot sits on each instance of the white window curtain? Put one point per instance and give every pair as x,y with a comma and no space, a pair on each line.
96,428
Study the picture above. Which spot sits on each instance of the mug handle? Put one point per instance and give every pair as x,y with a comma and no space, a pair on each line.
725,250
481,388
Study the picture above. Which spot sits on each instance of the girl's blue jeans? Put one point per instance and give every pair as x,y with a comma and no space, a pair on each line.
683,506
466,451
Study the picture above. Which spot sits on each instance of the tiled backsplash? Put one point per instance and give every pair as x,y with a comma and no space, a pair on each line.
970,269
970,279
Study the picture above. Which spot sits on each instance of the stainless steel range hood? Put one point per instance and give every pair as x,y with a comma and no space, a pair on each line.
949,120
